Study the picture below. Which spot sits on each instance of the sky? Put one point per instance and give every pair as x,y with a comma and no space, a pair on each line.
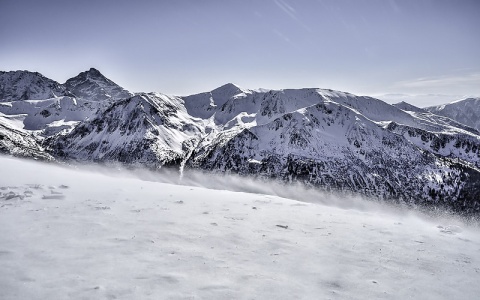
181,47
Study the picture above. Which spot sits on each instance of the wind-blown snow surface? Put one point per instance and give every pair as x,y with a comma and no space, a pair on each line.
73,234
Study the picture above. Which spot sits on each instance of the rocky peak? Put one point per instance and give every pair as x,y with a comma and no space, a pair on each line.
408,107
25,85
93,85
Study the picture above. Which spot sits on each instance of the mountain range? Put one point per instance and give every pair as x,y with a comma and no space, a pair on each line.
326,139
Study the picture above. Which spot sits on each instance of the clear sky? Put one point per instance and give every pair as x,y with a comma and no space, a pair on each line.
189,46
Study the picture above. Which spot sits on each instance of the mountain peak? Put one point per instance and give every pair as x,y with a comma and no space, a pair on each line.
229,85
91,73
225,92
228,88
408,107
94,71
93,85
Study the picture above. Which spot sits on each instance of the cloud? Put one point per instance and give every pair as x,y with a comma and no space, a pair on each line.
291,12
286,8
281,36
441,81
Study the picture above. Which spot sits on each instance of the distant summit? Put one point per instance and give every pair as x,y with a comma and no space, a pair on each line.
227,90
408,107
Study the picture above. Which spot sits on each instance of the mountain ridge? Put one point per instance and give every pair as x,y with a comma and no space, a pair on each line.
26,85
466,111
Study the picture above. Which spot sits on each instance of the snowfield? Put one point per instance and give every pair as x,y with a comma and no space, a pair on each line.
69,233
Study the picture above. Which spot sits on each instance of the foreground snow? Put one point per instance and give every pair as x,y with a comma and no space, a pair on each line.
71,234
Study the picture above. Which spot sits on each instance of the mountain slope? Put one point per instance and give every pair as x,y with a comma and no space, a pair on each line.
17,142
148,129
428,116
465,111
205,105
51,116
454,140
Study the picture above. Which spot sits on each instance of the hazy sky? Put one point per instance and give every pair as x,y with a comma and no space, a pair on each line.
189,46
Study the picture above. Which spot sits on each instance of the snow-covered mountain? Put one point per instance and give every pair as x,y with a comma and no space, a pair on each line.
329,139
465,111
149,129
451,138
336,140
46,107
92,85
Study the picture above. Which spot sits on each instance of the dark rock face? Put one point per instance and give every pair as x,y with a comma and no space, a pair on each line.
21,144
25,85
92,85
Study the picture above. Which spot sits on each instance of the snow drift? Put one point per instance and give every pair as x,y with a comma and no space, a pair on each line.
67,233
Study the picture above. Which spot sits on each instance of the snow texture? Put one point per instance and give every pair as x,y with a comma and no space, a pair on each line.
77,234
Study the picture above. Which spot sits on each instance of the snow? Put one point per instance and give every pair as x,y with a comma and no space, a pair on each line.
51,115
13,121
70,233
466,111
